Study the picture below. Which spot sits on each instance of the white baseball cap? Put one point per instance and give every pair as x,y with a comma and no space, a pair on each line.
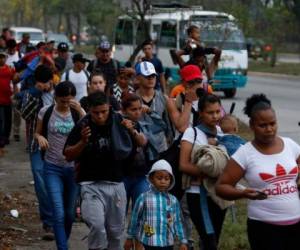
145,69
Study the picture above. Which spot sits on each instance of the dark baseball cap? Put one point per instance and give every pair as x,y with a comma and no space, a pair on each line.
79,58
104,45
63,46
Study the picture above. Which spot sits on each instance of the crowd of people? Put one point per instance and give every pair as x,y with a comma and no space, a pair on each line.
117,140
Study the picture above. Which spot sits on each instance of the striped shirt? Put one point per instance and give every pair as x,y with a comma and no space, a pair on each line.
156,219
117,91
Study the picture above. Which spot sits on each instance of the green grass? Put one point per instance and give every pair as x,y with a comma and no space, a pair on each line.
234,233
280,68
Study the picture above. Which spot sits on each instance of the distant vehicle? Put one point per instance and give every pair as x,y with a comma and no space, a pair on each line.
258,48
168,28
58,38
36,35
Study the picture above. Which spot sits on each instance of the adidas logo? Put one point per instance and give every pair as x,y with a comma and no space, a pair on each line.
281,175
281,181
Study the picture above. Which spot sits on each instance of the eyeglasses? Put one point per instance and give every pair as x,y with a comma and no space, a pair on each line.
195,81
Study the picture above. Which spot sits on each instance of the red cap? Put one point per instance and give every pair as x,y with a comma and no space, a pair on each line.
190,72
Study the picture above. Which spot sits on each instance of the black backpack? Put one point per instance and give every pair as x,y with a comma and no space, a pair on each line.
46,118
171,155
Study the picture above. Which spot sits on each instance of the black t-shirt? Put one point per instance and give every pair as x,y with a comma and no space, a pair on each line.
97,161
109,70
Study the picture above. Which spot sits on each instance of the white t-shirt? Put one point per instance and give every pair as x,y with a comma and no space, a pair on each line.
12,58
201,139
80,81
274,175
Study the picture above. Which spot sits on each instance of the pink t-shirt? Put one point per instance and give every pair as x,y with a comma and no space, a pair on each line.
275,175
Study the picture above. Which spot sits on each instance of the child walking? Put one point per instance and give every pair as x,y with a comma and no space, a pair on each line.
156,217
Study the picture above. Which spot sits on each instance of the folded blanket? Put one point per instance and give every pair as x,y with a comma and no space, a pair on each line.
211,160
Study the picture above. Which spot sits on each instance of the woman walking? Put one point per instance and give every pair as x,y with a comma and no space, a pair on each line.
53,127
269,163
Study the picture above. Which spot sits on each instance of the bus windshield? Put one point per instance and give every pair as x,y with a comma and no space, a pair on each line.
223,34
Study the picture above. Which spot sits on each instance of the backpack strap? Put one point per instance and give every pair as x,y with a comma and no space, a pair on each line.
45,121
116,65
88,79
75,115
94,65
195,136
203,202
67,75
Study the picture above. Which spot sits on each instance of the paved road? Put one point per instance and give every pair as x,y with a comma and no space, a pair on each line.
288,58
284,93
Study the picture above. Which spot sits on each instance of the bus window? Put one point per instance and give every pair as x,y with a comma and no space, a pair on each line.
155,35
119,31
168,34
124,32
140,34
183,33
127,32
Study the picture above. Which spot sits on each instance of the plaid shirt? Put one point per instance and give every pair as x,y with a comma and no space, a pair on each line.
31,105
156,219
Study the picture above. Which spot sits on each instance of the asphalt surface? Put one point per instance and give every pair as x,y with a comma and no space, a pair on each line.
284,92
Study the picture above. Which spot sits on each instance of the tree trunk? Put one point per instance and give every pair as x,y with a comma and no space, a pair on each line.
59,23
45,20
69,25
274,55
135,53
78,17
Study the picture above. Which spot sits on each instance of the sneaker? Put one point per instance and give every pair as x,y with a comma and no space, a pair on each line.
48,233
17,137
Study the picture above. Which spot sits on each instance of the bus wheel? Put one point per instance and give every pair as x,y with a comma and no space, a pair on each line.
229,93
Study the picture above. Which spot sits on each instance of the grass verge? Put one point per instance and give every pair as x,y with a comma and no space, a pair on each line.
280,68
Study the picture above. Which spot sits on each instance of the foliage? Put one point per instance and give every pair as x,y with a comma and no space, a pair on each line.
68,16
276,21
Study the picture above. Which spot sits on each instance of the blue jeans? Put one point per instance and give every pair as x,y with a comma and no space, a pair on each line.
37,168
63,192
134,187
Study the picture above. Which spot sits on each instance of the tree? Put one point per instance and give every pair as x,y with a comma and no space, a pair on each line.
141,9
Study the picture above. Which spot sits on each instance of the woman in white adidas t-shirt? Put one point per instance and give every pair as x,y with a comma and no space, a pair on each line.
269,164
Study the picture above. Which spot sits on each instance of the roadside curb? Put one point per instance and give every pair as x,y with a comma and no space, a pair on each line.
274,75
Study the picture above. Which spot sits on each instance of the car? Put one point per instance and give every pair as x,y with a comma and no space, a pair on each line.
36,35
58,38
258,48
